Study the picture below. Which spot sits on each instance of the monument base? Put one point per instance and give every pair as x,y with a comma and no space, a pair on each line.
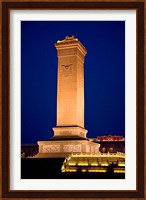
58,148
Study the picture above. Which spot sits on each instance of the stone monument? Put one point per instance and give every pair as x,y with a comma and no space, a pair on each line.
69,133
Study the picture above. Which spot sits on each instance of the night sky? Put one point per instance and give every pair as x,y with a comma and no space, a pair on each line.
104,70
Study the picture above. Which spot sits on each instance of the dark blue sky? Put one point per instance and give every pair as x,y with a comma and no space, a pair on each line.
104,76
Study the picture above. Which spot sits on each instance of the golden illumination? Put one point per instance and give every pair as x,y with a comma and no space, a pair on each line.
82,163
72,163
104,164
71,170
99,154
87,162
119,170
97,170
94,164
83,170
121,164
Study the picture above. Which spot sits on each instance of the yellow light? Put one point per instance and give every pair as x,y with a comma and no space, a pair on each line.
83,170
72,163
104,164
83,163
71,170
97,170
94,164
119,171
121,164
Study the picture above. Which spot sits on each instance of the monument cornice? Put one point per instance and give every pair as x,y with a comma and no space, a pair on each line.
70,42
71,46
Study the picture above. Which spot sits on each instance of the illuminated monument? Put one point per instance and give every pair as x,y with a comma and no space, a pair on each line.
69,133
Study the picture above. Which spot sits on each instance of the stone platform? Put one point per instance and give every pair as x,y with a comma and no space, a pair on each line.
59,146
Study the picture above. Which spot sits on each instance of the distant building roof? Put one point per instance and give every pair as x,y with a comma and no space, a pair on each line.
109,138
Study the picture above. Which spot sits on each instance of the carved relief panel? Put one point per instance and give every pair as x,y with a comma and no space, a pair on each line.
72,148
50,148
66,70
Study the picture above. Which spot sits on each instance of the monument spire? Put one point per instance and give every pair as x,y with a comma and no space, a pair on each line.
70,87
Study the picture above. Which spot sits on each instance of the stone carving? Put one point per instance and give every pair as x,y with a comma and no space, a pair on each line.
68,39
50,148
66,70
72,148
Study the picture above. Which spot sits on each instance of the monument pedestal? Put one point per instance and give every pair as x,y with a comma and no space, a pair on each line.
70,131
64,147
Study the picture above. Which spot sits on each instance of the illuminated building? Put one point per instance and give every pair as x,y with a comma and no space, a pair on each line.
100,162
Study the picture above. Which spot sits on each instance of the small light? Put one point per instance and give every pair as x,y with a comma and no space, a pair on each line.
119,171
121,164
97,170
71,170
71,163
83,170
94,164
82,163
104,164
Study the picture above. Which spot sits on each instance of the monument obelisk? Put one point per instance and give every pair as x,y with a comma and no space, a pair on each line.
70,88
69,133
